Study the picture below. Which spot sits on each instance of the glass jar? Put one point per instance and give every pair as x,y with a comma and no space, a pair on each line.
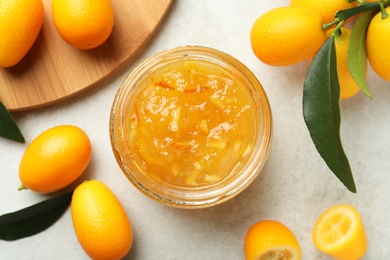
191,127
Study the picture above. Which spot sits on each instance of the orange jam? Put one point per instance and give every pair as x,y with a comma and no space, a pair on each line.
191,123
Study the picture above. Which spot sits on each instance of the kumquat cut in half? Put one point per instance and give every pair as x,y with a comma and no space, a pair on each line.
339,232
270,240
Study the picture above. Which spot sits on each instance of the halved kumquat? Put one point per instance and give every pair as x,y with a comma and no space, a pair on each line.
339,232
269,240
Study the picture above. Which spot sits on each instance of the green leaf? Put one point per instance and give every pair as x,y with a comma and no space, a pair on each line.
8,128
347,13
357,55
34,219
321,111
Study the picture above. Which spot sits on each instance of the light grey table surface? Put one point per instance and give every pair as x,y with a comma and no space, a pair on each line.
294,187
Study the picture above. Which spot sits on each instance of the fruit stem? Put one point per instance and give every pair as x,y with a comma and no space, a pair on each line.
21,187
343,15
328,25
337,30
383,10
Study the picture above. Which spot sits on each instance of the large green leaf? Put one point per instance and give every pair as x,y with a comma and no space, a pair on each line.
8,128
357,55
321,111
34,219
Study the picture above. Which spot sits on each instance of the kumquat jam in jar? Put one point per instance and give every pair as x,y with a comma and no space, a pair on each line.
191,127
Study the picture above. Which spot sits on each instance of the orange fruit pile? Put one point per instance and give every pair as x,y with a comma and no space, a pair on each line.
84,24
55,159
290,34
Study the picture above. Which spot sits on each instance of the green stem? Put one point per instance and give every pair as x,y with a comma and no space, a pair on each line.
337,30
328,25
383,10
22,187
343,15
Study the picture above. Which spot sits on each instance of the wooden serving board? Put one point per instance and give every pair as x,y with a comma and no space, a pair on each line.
53,70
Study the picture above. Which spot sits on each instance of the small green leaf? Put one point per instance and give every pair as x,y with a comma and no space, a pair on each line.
321,112
357,55
34,219
8,128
